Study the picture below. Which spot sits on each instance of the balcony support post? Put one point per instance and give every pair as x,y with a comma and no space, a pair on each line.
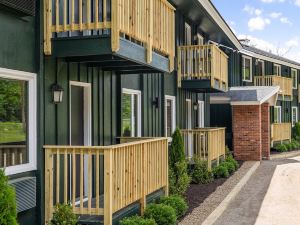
47,26
108,178
150,31
115,29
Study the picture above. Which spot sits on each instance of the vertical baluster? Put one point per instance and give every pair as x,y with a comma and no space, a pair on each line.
65,15
72,14
57,16
97,14
57,176
88,14
80,14
65,177
90,181
105,12
97,183
81,180
74,171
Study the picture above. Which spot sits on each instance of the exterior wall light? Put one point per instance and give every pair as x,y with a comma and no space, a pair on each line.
57,92
195,106
155,102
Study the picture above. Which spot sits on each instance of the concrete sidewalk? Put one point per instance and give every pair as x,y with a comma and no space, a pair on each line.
270,197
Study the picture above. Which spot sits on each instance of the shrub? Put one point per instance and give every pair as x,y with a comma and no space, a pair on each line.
230,166
228,153
220,172
296,131
162,214
233,161
281,148
200,173
63,215
179,179
295,144
137,220
176,202
8,208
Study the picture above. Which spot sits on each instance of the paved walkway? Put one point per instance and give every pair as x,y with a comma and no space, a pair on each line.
271,196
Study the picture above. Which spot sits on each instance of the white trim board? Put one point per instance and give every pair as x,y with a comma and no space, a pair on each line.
32,117
173,99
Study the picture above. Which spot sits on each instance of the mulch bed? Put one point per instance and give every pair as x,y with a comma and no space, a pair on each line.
197,193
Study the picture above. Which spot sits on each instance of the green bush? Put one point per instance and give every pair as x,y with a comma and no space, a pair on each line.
8,208
137,220
230,166
296,131
179,179
228,153
220,172
233,161
281,148
200,173
176,202
63,215
295,144
161,213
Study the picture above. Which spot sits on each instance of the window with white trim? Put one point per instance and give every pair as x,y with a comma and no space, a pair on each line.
131,113
17,121
170,115
260,67
294,115
200,39
277,114
247,69
187,34
294,78
277,70
200,114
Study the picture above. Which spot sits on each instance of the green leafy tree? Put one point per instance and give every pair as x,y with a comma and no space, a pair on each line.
8,208
296,131
179,180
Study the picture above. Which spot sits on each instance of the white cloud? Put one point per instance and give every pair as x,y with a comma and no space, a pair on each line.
285,20
275,15
294,42
297,3
249,9
272,1
258,23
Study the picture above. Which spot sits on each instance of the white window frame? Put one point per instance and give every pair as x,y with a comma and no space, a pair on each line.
243,65
278,68
279,110
187,34
201,119
296,77
173,100
32,117
263,66
139,110
296,109
200,38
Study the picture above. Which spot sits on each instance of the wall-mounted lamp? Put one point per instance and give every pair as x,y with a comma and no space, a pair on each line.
57,93
195,106
155,102
287,110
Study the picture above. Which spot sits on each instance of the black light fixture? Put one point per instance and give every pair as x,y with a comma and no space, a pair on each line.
195,106
155,102
57,93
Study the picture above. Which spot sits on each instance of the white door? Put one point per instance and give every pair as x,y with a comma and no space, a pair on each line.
189,143
200,114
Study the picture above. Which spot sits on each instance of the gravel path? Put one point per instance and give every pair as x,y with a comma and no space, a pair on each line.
200,213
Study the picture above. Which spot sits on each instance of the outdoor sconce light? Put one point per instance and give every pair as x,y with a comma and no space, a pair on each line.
57,92
195,106
155,102
286,110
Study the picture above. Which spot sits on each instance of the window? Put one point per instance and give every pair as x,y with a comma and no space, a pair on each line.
200,114
277,114
131,113
200,39
295,80
188,34
277,70
170,115
260,68
294,115
17,121
247,69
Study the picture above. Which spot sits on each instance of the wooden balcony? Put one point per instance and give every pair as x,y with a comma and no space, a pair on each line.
284,83
99,181
206,143
141,30
11,155
281,132
202,68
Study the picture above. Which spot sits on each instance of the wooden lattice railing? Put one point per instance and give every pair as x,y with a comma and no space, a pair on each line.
284,83
203,62
205,143
103,180
281,132
149,22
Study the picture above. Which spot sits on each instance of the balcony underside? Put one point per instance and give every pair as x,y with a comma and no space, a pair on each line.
203,85
97,51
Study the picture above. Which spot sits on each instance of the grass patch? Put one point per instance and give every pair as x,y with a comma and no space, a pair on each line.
11,132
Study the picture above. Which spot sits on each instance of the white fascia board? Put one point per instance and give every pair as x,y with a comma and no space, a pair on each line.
266,58
220,21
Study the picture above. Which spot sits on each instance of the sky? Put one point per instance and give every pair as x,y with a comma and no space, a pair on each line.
271,25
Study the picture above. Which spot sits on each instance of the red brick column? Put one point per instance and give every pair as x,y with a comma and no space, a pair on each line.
265,130
246,126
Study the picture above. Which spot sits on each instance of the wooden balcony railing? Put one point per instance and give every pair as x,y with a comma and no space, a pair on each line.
149,22
284,83
205,143
203,62
281,132
103,180
11,155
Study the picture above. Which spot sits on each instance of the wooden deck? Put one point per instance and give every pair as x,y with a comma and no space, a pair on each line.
123,174
196,62
206,143
281,132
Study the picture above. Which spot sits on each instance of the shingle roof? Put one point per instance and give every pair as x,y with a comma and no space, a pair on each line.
268,54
